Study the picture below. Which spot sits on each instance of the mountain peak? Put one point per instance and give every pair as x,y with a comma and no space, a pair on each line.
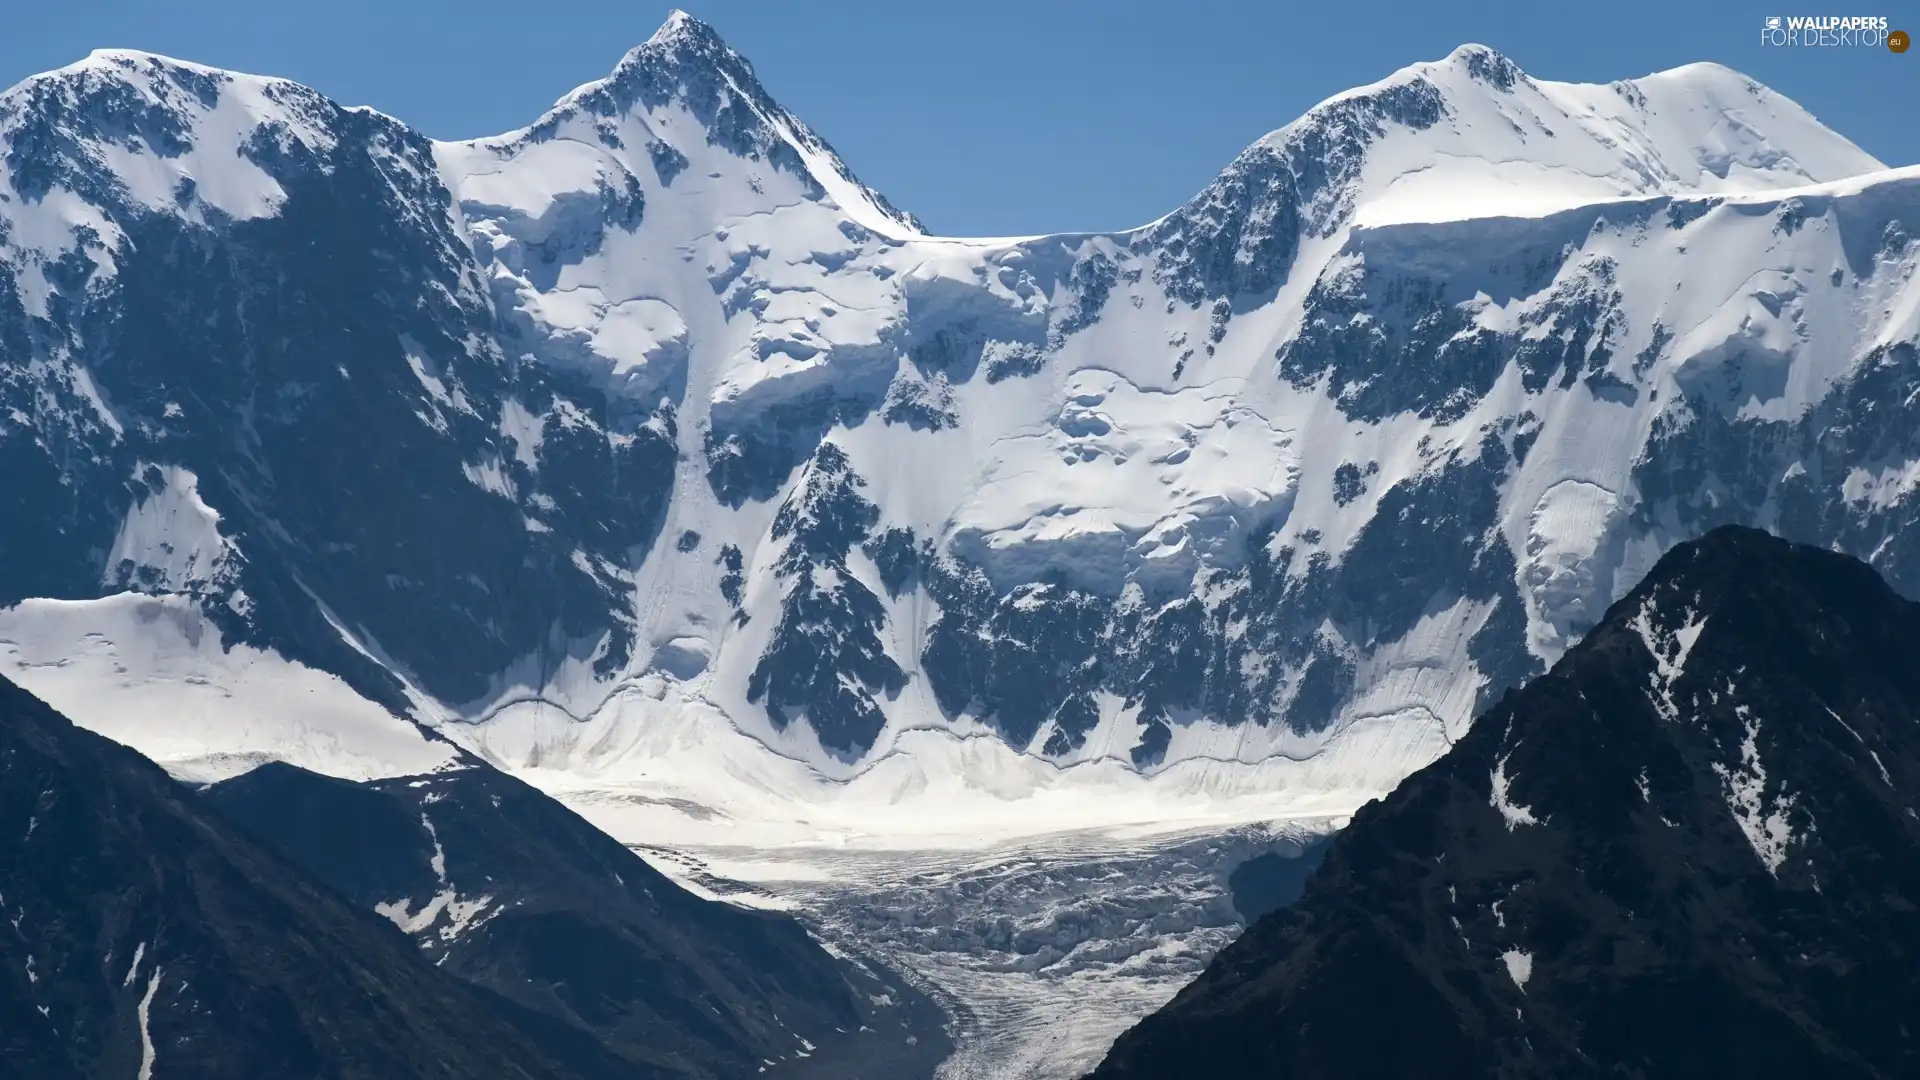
684,34
1684,810
678,22
1486,65
682,30
175,129
687,64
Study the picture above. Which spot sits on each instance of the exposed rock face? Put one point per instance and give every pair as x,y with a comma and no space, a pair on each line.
501,886
148,937
1690,848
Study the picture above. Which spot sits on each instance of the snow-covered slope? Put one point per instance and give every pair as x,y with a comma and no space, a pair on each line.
151,672
645,448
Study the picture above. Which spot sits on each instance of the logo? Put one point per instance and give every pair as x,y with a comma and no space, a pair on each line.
1827,31
1898,41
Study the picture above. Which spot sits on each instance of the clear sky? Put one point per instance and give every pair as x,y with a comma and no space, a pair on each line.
987,116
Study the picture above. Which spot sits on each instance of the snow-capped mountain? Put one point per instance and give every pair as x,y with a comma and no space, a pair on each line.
648,445
1688,849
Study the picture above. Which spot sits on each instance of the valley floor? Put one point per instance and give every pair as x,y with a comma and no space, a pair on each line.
1042,951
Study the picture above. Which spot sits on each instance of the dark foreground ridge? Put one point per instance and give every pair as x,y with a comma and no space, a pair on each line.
617,970
1690,849
455,926
145,937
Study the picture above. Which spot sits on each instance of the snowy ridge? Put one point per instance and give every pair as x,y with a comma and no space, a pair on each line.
151,672
1260,500
1536,147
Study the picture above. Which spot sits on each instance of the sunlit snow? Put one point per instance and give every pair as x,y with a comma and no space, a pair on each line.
1764,821
1519,966
1511,812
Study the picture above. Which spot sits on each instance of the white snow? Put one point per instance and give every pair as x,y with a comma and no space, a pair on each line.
173,535
664,774
1128,484
1513,813
1764,822
223,178
1884,487
151,672
1871,752
1565,593
146,1036
461,914
1519,966
1548,146
1669,648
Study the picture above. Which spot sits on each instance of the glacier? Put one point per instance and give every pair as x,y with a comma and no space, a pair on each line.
647,453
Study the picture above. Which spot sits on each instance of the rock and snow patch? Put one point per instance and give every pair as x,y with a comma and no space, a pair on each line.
139,951
1877,763
1881,488
489,475
1567,587
1669,649
170,538
1513,813
1519,967
461,914
525,430
439,861
146,1034
1765,823
225,112
144,1008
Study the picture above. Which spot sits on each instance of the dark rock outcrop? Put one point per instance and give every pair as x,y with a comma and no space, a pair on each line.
1690,849
144,936
504,887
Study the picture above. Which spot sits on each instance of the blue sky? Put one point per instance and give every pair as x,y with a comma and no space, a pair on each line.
991,116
